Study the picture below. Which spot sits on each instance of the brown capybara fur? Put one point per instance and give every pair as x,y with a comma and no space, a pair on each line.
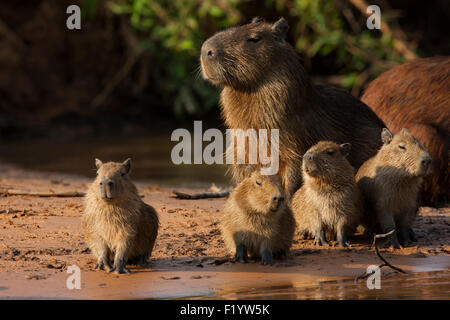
416,95
266,87
390,184
117,223
329,200
256,219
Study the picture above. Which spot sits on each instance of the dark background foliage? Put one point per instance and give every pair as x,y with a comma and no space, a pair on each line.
133,67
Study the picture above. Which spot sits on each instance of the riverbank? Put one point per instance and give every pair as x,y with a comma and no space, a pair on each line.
41,237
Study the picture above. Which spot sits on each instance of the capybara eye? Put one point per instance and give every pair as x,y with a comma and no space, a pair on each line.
101,183
402,146
254,39
259,183
330,152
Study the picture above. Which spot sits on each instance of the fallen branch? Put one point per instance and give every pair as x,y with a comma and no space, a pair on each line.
16,192
48,194
386,263
203,195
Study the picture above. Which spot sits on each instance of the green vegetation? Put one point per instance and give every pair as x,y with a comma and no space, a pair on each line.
172,31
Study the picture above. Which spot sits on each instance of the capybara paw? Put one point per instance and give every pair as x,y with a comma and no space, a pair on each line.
241,254
391,243
267,259
280,254
138,261
241,258
406,242
102,266
321,242
341,244
120,270
142,261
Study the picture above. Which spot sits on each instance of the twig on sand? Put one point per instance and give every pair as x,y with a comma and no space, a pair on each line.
386,263
48,194
16,192
203,195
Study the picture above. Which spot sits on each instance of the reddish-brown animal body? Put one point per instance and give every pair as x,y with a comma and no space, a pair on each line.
416,96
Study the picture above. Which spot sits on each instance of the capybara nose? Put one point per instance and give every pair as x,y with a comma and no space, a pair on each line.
426,161
208,50
278,198
110,183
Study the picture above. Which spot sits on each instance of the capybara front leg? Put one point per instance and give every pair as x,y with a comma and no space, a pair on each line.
404,232
241,254
267,258
412,234
280,254
341,237
103,262
387,224
120,260
319,237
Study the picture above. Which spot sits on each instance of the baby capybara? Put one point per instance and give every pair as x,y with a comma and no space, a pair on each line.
416,95
117,223
256,219
390,183
329,200
267,87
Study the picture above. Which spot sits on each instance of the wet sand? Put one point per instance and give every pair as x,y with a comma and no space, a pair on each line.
41,237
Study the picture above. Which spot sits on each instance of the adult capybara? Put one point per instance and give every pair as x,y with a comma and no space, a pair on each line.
329,200
416,95
390,183
117,223
266,87
257,220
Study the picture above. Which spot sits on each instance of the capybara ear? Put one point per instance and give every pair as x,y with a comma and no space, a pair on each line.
126,166
257,19
280,29
386,136
98,163
345,148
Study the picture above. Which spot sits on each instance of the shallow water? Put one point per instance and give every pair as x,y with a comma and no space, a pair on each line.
151,159
416,285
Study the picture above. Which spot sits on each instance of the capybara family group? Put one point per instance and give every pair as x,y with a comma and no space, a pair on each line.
339,165
256,219
266,87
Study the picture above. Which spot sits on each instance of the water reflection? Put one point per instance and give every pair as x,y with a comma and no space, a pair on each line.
150,154
420,285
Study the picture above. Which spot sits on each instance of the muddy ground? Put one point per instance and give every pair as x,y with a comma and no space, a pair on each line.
41,237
